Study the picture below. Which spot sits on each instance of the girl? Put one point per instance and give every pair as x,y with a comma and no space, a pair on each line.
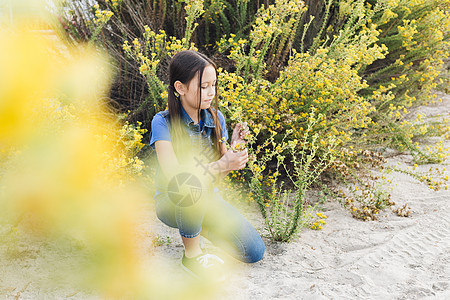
192,135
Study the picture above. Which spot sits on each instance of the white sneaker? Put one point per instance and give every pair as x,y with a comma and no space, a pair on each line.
204,266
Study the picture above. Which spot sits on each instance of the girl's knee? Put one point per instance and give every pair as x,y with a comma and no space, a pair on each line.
256,251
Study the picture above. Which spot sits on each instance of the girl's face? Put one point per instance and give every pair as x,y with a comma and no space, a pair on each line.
207,90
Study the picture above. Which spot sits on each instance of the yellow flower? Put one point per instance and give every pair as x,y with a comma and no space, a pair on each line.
143,68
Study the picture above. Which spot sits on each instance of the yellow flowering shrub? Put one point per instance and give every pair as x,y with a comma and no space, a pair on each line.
326,80
416,34
154,48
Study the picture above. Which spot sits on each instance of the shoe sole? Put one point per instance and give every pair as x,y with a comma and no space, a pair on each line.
189,271
220,279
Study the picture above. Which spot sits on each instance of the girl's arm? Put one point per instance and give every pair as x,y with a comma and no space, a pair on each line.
239,133
221,174
167,159
229,161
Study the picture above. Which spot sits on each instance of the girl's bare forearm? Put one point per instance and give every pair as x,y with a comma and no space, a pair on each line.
219,169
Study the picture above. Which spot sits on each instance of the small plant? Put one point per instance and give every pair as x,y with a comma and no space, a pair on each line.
365,190
317,221
434,178
159,240
366,201
402,211
286,211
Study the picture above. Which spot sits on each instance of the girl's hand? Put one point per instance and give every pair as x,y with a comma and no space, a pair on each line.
232,160
239,133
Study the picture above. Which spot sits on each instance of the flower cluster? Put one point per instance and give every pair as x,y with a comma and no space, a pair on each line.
114,3
434,178
128,146
417,49
149,53
285,210
194,9
101,16
318,221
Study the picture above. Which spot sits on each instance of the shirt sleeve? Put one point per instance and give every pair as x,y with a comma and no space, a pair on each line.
160,130
223,125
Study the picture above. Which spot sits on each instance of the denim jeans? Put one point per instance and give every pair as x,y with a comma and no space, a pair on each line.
217,220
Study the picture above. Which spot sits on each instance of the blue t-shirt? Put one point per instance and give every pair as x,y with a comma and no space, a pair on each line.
160,128
160,131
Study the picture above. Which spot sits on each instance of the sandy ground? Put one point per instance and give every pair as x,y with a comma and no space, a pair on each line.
392,258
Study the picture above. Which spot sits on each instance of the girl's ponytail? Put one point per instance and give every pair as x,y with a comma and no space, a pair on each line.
175,119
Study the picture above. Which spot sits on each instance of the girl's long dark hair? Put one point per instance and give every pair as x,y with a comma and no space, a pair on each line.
183,67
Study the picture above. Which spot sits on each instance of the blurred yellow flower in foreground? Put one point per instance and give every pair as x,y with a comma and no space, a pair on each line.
57,142
53,169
